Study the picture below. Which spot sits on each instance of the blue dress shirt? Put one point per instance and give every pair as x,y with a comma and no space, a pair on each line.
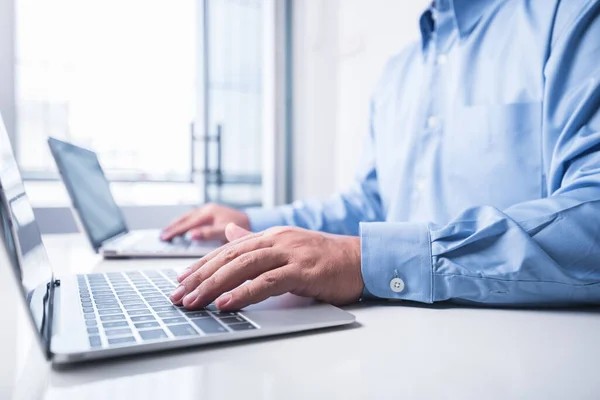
480,179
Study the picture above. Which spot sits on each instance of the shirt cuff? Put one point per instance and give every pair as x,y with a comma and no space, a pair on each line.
261,219
396,250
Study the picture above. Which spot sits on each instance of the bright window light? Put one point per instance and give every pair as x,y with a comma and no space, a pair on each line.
118,76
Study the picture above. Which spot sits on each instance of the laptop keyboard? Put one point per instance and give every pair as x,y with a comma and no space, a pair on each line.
134,307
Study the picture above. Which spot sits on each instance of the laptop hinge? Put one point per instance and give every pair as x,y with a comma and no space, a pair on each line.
47,319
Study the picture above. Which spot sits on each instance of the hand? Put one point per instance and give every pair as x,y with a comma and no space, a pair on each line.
206,223
279,260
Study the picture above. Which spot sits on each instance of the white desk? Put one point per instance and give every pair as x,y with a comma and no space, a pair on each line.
394,351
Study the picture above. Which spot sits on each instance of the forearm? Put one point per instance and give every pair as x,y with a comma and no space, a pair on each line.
341,214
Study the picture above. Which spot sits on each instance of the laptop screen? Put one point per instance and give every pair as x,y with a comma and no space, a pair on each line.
89,191
21,243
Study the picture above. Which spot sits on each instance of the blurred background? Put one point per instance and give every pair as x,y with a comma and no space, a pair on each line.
244,102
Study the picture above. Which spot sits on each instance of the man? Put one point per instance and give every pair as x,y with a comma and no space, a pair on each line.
480,180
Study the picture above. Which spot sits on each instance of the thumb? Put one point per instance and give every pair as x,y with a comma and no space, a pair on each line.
233,232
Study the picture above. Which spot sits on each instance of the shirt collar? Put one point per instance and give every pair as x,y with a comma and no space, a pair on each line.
466,14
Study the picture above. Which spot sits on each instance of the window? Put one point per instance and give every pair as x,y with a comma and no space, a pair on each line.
129,79
118,76
234,95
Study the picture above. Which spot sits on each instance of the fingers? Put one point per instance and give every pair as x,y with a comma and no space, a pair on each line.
178,221
233,274
272,283
233,232
204,269
194,267
196,218
208,233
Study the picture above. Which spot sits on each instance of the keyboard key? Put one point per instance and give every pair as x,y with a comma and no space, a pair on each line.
165,286
86,303
196,314
224,314
89,316
164,308
87,310
92,330
103,292
169,314
171,321
108,311
183,330
104,306
142,318
143,311
134,306
146,325
153,334
116,317
159,303
209,325
139,311
128,302
115,324
129,297
118,332
149,294
126,292
91,323
232,320
154,298
104,297
122,340
242,327
106,301
95,341
146,288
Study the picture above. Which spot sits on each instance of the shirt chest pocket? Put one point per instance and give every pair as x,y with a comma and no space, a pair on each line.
492,155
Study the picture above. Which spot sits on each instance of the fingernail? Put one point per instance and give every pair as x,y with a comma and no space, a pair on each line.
223,300
178,294
190,299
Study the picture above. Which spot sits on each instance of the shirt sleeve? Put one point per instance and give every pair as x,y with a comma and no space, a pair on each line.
340,214
541,252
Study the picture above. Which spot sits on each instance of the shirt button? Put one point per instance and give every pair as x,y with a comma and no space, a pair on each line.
433,122
442,59
397,285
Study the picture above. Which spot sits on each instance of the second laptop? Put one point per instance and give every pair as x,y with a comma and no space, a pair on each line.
102,220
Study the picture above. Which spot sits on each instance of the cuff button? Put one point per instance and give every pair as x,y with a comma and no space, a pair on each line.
397,285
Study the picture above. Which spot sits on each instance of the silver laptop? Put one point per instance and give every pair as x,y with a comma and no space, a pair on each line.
92,316
99,216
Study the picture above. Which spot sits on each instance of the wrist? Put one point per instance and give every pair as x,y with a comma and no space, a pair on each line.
354,265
